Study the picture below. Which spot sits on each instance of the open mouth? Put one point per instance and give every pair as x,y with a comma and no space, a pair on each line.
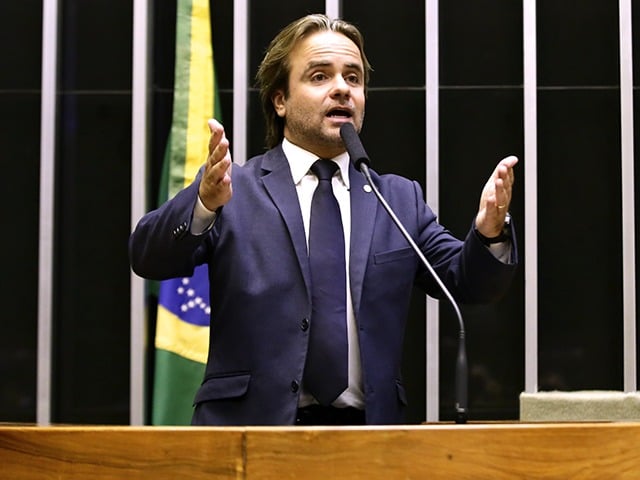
339,113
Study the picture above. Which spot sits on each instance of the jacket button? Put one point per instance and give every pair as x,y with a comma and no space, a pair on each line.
304,325
294,386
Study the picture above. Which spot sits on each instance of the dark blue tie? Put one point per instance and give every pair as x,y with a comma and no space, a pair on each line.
325,375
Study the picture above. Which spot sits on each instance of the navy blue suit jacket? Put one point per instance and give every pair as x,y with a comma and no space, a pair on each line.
259,282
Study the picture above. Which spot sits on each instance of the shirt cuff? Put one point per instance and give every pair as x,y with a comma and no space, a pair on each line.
203,218
502,251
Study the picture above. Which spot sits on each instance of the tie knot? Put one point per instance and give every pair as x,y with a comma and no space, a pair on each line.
324,169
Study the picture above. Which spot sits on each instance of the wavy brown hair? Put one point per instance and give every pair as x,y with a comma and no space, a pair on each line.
273,73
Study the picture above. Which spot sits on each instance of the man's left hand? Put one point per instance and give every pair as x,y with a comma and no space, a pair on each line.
496,198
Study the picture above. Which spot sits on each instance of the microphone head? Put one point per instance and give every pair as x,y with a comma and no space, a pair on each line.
354,145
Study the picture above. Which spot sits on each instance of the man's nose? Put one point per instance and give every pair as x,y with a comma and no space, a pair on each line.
340,86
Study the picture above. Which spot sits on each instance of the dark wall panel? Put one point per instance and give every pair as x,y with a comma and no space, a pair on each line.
267,18
95,45
479,127
91,302
481,122
394,41
92,291
398,145
577,42
580,272
19,196
20,79
21,26
480,42
579,187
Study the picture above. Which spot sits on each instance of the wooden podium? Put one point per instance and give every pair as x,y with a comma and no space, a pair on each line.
439,451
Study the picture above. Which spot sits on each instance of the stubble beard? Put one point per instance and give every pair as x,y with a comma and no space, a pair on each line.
322,140
315,139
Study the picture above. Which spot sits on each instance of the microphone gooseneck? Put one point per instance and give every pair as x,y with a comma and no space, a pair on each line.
361,161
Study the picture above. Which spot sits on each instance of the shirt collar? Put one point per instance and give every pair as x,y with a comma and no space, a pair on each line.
300,161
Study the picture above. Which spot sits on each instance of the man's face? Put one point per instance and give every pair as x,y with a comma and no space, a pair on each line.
326,89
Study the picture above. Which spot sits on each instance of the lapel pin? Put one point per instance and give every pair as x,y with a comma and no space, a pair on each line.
367,188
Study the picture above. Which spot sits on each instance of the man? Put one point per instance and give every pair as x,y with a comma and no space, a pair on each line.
254,227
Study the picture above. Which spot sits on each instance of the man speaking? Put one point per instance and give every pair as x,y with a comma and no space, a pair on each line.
310,279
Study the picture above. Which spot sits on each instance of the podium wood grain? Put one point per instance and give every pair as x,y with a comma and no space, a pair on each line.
119,453
482,451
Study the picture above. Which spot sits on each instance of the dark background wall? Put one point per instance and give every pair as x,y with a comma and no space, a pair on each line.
20,140
481,120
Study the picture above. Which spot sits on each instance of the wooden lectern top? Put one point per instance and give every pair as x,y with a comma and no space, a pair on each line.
436,451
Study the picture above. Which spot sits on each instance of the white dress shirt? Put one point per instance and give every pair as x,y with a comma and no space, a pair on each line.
300,162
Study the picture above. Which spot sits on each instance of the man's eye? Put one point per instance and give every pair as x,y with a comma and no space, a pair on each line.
355,79
318,77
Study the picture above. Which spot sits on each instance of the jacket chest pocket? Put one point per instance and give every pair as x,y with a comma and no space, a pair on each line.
393,255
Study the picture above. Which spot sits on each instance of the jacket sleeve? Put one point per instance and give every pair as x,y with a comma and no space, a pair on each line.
468,269
162,246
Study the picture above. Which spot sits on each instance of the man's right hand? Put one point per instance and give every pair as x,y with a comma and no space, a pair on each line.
215,185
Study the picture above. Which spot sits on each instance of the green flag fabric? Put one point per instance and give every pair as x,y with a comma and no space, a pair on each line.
182,329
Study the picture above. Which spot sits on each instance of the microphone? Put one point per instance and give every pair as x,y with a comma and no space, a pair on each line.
354,146
361,161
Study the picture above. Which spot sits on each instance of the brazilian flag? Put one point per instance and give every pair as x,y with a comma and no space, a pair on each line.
182,330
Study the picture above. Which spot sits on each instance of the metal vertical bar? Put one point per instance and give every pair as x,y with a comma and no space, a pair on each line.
47,204
139,144
333,8
628,215
531,195
432,80
240,79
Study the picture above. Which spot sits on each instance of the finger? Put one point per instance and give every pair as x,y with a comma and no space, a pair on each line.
217,133
221,169
214,124
505,171
506,166
509,161
220,151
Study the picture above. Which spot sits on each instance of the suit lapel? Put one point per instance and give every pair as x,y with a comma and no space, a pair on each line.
363,215
279,185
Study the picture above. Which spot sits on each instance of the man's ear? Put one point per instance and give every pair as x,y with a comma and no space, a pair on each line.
278,103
